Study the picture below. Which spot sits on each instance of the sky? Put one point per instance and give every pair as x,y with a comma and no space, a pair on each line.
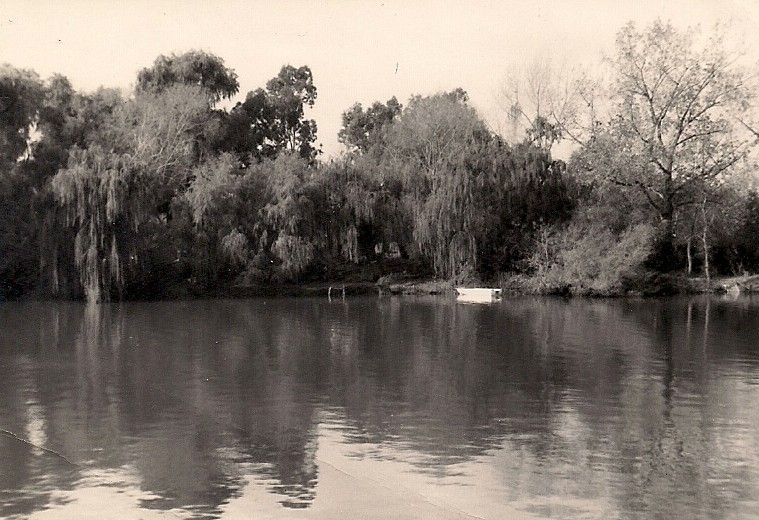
358,51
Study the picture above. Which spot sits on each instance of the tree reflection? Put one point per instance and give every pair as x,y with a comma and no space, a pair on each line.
188,400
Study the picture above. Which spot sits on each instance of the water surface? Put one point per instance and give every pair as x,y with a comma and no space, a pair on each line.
381,408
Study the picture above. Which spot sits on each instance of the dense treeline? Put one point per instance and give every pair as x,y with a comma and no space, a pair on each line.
160,192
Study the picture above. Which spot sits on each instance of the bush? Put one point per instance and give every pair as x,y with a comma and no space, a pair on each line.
588,259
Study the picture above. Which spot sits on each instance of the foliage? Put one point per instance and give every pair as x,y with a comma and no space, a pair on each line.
211,191
679,104
294,252
18,236
363,130
587,258
471,199
435,146
235,246
194,68
159,193
747,245
21,94
107,193
272,120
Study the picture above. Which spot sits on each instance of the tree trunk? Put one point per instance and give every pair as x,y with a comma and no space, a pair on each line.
689,255
704,238
667,231
706,255
665,251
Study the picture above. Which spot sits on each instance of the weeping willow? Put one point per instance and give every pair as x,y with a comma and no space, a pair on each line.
295,253
356,194
447,223
462,203
235,245
142,157
92,192
436,143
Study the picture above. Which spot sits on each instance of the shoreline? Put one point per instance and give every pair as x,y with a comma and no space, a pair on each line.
412,287
653,285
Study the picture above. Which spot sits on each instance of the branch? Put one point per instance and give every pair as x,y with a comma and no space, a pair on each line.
750,129
644,188
697,135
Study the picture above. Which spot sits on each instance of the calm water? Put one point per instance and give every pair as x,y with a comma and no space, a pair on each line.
381,408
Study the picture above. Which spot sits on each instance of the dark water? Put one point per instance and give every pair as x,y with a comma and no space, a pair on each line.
381,408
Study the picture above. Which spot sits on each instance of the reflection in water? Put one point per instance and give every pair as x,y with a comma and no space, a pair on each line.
377,407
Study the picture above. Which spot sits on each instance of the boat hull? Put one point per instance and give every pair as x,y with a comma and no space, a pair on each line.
478,294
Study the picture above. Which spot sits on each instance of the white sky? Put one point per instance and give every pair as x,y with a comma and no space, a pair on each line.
358,50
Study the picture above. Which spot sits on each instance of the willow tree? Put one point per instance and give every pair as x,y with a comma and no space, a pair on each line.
357,208
109,190
195,68
289,213
437,145
224,202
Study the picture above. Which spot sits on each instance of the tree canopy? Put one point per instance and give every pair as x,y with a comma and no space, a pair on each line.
166,191
678,105
362,130
272,120
21,94
197,68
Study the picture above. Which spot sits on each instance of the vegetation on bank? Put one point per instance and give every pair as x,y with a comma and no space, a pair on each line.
160,192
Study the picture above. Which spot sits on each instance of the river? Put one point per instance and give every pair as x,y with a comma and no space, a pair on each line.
381,407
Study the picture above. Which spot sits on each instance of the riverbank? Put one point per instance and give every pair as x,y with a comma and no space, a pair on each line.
649,283
413,280
343,289
385,277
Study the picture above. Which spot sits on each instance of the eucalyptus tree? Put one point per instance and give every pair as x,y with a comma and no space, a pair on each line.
21,95
272,120
364,129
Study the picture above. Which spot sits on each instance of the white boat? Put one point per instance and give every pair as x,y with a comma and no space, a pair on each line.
477,294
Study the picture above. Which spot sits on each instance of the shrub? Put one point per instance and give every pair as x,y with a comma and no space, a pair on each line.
589,259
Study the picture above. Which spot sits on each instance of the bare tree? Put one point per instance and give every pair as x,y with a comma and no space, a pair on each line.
545,103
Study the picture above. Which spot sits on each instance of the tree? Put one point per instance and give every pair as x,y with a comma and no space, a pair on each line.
542,103
364,129
748,231
68,118
289,93
678,104
21,94
437,144
272,120
127,179
197,68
